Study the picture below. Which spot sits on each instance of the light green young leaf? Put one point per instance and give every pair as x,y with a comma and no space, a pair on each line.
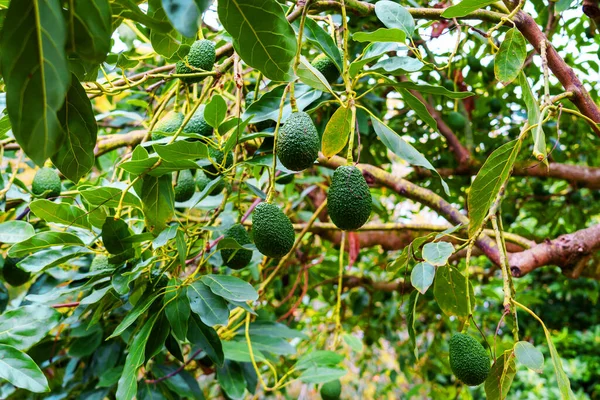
438,253
353,342
465,7
312,77
490,178
381,35
511,56
321,374
422,276
336,132
181,150
15,231
262,36
215,111
529,356
93,24
393,15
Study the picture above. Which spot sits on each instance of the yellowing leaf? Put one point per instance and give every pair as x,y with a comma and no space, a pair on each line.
337,132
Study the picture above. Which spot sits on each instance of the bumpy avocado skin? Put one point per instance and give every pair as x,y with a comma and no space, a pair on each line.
46,179
327,67
331,390
468,359
185,186
298,142
202,56
273,231
349,199
456,121
168,124
242,258
14,275
217,157
197,124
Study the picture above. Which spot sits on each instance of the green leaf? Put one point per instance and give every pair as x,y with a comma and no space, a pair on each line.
422,276
25,326
36,74
432,89
140,307
238,351
318,358
114,233
230,287
490,178
310,76
185,14
529,356
371,53
410,321
41,260
60,213
321,374
353,342
381,35
205,338
15,231
76,157
317,36
158,202
127,386
91,30
534,117
450,292
261,34
419,108
274,329
215,111
109,197
211,308
337,132
465,7
502,373
43,240
181,150
267,107
177,310
393,15
140,166
168,43
403,149
437,253
129,9
510,57
563,381
231,379
21,371
166,167
398,65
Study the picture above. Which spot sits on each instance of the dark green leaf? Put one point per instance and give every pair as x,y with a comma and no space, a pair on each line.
21,371
158,202
450,292
36,74
76,157
140,307
43,240
231,379
41,260
59,213
25,326
109,197
310,76
501,376
267,107
205,338
511,56
181,150
91,29
211,309
215,111
177,310
230,287
320,38
114,231
262,36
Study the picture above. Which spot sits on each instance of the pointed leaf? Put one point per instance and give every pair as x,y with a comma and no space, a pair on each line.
205,338
60,213
158,202
501,377
422,276
25,326
177,310
15,231
230,287
393,15
529,356
337,132
511,56
465,7
21,371
450,292
320,38
215,111
312,77
211,308
43,240
381,35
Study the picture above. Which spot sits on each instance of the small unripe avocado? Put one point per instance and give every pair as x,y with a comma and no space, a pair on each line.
327,67
46,179
202,57
14,275
272,230
474,63
495,105
331,390
456,121
217,157
202,181
197,124
468,359
349,199
185,186
449,84
242,257
298,142
167,125
101,263
284,179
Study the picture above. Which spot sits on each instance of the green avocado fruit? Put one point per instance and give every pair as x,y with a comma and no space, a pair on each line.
197,124
202,181
456,121
474,63
298,143
202,57
217,157
272,230
241,258
167,125
331,390
349,199
13,275
327,67
468,359
46,179
185,186
285,179
449,84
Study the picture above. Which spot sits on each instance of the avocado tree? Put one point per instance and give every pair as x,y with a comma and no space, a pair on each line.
271,199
